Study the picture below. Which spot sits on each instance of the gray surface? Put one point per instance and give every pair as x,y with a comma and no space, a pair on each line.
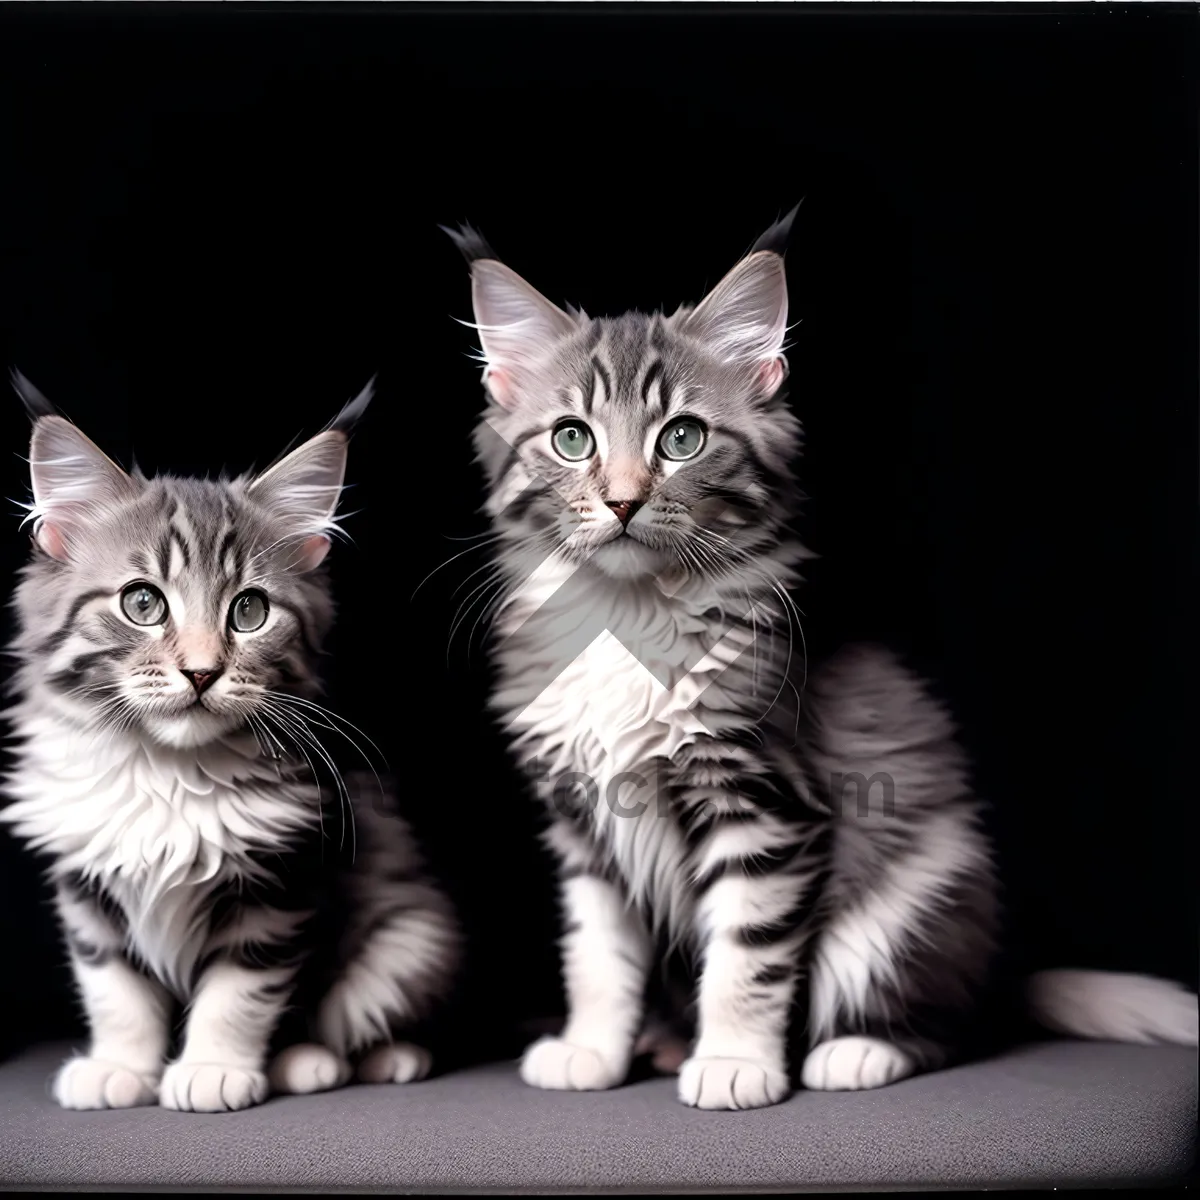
1059,1113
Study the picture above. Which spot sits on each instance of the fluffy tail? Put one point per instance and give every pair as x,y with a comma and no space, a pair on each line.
1109,1007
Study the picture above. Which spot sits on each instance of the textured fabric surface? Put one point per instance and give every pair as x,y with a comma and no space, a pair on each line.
1057,1113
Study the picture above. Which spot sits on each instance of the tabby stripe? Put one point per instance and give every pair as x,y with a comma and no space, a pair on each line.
755,865
87,952
707,820
521,503
589,389
309,643
228,543
75,673
514,450
759,937
654,372
164,555
770,975
88,891
177,538
60,635
605,379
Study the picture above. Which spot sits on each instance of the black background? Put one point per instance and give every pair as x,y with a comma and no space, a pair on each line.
217,224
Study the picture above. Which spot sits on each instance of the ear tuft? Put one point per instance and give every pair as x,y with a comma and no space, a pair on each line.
470,242
347,420
36,405
777,238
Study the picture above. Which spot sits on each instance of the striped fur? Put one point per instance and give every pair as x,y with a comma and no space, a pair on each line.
699,778
204,849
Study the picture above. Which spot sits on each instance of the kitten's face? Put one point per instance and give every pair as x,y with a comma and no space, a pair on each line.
177,616
643,445
636,450
182,609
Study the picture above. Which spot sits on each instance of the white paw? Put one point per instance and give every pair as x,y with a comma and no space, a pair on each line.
93,1083
851,1064
731,1083
562,1066
305,1068
395,1062
211,1087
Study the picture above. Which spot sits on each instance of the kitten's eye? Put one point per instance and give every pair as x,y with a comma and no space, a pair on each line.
143,604
682,439
574,441
248,612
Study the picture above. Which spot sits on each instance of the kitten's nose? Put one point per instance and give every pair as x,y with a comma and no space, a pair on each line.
201,680
624,509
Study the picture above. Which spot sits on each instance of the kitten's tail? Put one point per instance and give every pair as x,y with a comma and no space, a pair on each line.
1107,1006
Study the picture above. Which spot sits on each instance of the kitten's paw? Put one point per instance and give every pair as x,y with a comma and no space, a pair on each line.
731,1083
305,1068
395,1062
211,1087
562,1066
851,1064
92,1083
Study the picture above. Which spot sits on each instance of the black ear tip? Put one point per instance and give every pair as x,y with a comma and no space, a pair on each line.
346,421
777,237
36,405
472,245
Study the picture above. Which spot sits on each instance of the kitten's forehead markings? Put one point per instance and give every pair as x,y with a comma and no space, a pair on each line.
602,388
176,562
652,386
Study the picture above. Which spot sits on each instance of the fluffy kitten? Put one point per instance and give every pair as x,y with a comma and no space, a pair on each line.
166,656
640,481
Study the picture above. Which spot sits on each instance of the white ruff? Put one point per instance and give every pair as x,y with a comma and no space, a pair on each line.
156,827
608,713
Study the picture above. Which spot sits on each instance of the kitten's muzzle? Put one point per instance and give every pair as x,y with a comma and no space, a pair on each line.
201,679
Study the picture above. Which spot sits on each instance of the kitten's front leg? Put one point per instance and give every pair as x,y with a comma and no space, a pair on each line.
606,957
752,930
239,999
127,1014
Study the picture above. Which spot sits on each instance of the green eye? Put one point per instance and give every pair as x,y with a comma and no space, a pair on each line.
248,612
143,604
574,441
682,439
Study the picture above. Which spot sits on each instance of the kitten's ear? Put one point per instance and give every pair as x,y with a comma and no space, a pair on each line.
302,490
72,478
744,318
516,323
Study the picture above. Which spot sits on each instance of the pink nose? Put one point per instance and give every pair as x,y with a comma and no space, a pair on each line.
624,509
200,680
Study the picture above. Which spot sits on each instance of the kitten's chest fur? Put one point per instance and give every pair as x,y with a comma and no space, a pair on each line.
157,830
604,682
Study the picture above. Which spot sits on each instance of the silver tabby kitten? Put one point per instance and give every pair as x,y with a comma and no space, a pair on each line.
166,657
640,475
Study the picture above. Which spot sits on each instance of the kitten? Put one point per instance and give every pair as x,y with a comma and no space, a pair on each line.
166,667
640,484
